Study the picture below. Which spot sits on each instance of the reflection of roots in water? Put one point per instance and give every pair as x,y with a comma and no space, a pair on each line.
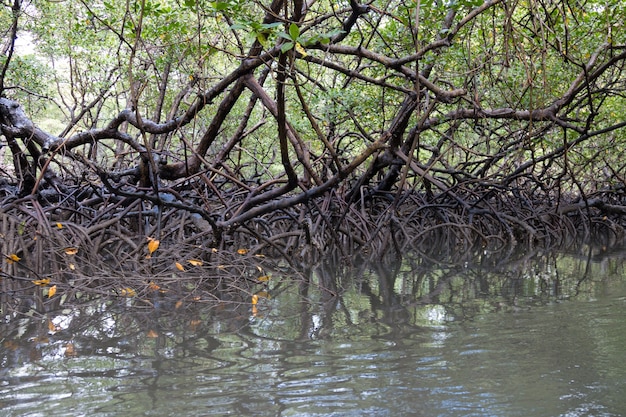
392,292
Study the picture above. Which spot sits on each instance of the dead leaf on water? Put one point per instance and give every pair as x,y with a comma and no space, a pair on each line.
70,350
42,282
128,292
12,258
153,244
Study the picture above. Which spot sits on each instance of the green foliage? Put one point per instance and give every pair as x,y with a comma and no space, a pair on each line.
262,32
456,4
28,80
105,56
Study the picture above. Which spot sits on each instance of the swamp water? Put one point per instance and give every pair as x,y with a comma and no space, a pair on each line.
540,335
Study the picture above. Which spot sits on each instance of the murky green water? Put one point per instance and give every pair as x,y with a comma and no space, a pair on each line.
541,336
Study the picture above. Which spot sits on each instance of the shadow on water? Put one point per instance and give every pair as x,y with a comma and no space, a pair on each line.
517,335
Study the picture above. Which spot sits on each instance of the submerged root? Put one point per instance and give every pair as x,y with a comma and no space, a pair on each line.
159,254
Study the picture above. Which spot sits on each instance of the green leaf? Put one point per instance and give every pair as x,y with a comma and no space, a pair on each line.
190,3
472,3
294,31
262,39
286,47
271,25
333,33
323,38
284,36
219,5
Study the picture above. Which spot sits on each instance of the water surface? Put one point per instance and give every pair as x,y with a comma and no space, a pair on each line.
538,336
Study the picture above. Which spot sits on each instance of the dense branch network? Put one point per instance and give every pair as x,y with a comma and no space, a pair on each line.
358,111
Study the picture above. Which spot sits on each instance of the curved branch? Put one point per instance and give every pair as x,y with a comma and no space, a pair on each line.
271,205
443,95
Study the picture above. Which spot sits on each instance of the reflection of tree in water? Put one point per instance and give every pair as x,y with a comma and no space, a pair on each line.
335,297
414,290
117,330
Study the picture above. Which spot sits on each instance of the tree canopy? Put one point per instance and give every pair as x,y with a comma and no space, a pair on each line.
214,122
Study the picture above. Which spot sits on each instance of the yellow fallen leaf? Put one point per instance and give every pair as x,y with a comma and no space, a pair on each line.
195,262
72,266
59,226
300,49
255,299
179,266
263,294
51,326
42,282
128,292
152,334
242,251
178,304
13,258
153,287
153,244
51,291
70,350
71,251
264,278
